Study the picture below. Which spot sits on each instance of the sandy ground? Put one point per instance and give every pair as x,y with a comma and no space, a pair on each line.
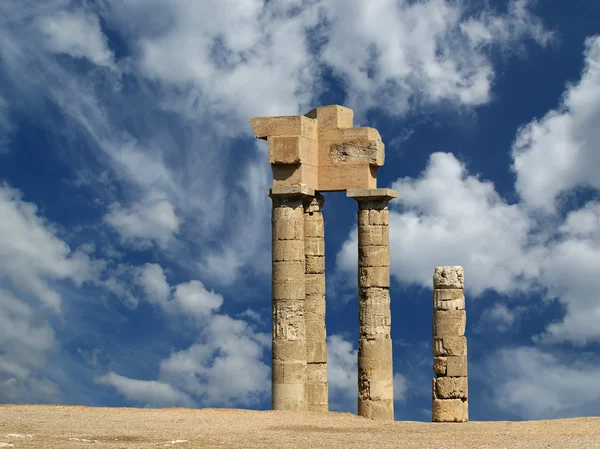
50,427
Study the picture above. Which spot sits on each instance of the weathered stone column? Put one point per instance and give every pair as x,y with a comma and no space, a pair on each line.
375,370
314,308
289,328
450,386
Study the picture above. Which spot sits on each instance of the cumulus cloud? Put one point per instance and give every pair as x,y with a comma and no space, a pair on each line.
209,370
448,217
537,384
77,34
431,51
498,318
33,256
559,152
36,264
141,224
149,393
342,373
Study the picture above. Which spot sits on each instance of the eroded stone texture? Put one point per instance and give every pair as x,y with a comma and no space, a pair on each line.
450,410
450,386
375,372
288,295
316,335
448,277
321,149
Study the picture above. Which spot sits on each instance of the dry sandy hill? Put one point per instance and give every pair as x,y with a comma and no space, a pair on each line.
64,427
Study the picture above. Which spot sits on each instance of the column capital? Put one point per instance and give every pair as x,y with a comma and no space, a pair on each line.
372,194
300,191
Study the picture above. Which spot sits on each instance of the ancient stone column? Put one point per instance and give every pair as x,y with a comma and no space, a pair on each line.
450,386
314,308
375,370
288,290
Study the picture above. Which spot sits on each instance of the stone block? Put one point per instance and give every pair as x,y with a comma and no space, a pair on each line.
288,397
449,277
379,217
288,290
315,327
314,226
375,350
288,250
448,299
365,196
289,351
369,369
295,174
381,390
315,304
457,366
350,145
374,256
292,209
292,229
316,373
449,410
293,150
449,323
363,217
316,351
314,284
314,246
374,276
451,387
376,410
294,125
317,397
440,366
289,320
332,117
315,264
347,175
450,346
288,195
289,372
373,236
288,271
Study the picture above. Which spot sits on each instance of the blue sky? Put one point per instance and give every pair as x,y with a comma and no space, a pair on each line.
135,225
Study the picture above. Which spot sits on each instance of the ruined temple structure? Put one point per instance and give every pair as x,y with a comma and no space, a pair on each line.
450,386
322,152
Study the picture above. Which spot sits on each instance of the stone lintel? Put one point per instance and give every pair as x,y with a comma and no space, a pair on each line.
372,194
299,190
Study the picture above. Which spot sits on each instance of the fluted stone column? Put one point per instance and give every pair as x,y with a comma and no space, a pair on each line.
288,290
375,370
450,386
314,308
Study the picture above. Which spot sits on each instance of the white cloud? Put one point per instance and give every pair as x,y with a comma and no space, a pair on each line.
534,384
342,374
431,51
400,387
36,268
154,283
149,393
76,34
449,217
225,367
143,223
559,152
33,256
209,370
498,318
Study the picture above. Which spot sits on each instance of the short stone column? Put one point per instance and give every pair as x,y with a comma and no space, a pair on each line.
288,295
450,386
314,306
375,368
